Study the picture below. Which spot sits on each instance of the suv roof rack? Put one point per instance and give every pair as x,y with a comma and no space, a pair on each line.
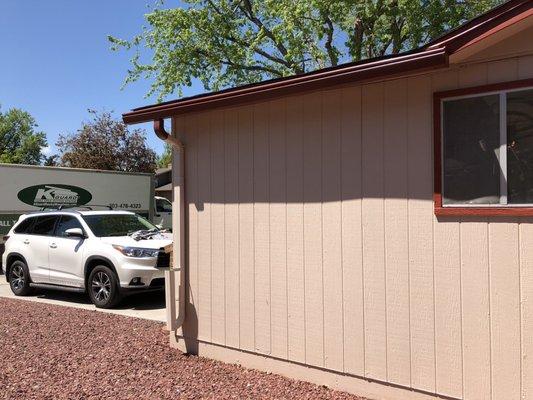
75,208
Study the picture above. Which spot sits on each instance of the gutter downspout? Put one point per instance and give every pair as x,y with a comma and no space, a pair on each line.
178,226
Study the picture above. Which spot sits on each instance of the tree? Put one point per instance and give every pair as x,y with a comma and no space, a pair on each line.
166,158
104,143
20,142
232,42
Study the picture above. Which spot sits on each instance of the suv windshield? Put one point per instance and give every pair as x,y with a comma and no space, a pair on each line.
103,225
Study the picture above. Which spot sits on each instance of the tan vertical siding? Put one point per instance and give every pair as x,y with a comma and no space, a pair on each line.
231,228
396,233
204,228
373,233
295,230
352,242
331,221
312,178
421,271
526,299
312,238
475,303
218,279
191,175
505,309
261,228
278,229
246,229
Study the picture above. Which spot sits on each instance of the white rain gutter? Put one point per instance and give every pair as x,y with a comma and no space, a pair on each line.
175,315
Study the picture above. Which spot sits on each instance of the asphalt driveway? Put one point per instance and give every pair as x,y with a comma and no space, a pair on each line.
143,305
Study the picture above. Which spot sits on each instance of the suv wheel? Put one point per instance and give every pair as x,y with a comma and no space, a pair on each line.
103,287
19,279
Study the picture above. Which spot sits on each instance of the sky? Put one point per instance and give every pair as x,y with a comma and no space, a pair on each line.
56,61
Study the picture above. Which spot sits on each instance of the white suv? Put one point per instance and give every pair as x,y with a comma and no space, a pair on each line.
104,253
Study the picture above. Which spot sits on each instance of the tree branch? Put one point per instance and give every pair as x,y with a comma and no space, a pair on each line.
329,42
259,51
227,61
244,43
249,13
357,40
384,47
255,67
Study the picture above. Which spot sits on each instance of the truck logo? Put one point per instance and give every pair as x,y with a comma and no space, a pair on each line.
54,195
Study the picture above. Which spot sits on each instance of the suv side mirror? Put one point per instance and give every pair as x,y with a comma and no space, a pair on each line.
75,232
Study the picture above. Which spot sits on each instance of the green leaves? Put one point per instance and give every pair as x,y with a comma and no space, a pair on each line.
223,43
20,143
166,158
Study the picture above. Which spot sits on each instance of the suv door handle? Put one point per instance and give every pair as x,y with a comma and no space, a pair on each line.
53,245
26,241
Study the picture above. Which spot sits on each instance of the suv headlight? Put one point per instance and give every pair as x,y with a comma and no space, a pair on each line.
137,252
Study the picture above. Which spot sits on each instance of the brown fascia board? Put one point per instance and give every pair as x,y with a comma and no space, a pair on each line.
362,71
491,21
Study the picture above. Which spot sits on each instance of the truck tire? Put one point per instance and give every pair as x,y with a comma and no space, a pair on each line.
103,287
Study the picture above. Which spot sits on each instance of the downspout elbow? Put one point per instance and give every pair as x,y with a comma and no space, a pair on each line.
161,133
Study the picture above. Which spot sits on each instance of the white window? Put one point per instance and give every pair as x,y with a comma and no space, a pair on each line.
487,149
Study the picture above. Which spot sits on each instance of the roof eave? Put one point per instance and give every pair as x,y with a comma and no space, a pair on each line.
493,21
381,68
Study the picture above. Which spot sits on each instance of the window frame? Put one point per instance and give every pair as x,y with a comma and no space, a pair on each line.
474,209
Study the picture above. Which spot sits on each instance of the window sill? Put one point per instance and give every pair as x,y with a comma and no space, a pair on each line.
484,211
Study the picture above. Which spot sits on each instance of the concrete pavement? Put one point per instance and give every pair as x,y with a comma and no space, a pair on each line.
142,305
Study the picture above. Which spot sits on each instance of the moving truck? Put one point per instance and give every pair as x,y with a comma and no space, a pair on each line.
26,188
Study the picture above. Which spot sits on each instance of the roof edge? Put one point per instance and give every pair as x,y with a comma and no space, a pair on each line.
492,20
369,69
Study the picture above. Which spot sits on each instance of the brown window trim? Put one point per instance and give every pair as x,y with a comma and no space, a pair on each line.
440,210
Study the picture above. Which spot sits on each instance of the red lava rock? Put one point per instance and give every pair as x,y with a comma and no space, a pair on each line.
55,352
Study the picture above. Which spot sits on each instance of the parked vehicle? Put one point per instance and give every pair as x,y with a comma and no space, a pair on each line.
26,188
104,253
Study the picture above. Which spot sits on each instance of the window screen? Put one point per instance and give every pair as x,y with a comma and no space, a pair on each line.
487,149
471,147
520,147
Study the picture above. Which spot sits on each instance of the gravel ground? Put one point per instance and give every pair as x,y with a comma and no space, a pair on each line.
54,352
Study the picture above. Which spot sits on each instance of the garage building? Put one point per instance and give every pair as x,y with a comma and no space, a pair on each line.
368,226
